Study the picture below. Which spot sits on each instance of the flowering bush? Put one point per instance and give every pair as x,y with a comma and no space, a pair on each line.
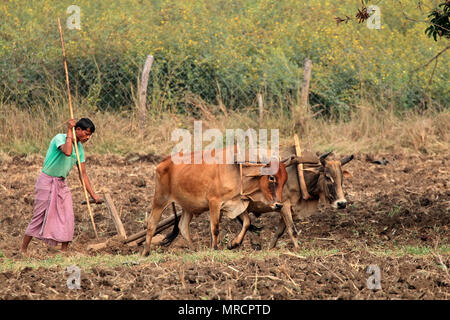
221,49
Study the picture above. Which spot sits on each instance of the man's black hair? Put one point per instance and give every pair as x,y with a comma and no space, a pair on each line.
84,124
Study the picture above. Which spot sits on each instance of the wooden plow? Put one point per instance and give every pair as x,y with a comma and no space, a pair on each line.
134,239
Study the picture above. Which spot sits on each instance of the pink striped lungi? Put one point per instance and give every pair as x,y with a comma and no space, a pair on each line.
53,219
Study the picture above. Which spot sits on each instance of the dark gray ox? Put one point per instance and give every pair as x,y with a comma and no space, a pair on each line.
324,180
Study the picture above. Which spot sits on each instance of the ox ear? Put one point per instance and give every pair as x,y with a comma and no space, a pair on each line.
347,174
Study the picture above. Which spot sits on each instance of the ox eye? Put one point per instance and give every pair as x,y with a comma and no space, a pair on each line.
271,179
330,179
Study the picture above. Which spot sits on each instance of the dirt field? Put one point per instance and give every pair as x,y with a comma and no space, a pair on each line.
398,219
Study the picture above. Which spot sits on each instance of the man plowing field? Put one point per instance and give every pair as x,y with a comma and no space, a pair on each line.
53,218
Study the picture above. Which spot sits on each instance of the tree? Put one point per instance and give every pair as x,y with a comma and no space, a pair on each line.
437,19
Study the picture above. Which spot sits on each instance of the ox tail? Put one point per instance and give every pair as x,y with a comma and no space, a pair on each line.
168,239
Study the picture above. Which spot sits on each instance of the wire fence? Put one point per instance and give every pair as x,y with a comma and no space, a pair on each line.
102,82
112,82
227,71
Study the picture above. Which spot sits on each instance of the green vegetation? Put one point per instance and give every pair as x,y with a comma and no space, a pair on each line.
394,211
220,256
370,88
222,51
413,250
81,261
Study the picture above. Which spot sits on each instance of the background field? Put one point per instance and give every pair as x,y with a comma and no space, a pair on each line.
218,55
370,95
397,219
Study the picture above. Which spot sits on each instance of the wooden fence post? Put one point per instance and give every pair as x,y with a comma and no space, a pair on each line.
143,91
305,85
260,108
302,112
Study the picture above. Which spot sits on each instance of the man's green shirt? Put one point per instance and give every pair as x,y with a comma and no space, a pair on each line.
56,163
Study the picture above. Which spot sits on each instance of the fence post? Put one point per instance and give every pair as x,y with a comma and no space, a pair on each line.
305,85
302,111
260,108
143,91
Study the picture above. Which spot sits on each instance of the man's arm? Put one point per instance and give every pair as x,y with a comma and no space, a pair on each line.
66,148
83,175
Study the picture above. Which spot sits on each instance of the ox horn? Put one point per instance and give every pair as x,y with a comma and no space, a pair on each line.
323,156
346,160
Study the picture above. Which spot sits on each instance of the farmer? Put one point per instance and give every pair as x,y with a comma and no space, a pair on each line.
53,219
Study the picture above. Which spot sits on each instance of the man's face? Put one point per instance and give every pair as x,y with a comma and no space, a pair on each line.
83,135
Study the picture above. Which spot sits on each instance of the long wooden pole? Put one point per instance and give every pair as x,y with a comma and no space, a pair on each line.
73,129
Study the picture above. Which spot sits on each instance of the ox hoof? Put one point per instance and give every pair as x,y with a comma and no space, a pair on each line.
232,246
256,246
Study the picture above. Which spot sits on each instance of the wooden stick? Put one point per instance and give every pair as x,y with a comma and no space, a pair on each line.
115,216
73,129
163,225
140,236
301,177
159,229
155,240
141,240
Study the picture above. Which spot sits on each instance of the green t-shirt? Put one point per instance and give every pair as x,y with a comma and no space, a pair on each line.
56,163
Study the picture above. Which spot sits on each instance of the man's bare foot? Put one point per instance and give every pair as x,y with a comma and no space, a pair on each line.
23,254
64,246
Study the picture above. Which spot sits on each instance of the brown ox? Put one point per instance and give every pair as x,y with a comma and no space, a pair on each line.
215,187
324,180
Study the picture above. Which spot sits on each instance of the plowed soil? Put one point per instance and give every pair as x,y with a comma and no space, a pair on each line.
397,219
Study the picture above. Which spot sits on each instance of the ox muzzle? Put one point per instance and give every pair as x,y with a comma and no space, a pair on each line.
277,206
339,204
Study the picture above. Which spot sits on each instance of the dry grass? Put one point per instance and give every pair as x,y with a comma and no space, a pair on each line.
368,130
